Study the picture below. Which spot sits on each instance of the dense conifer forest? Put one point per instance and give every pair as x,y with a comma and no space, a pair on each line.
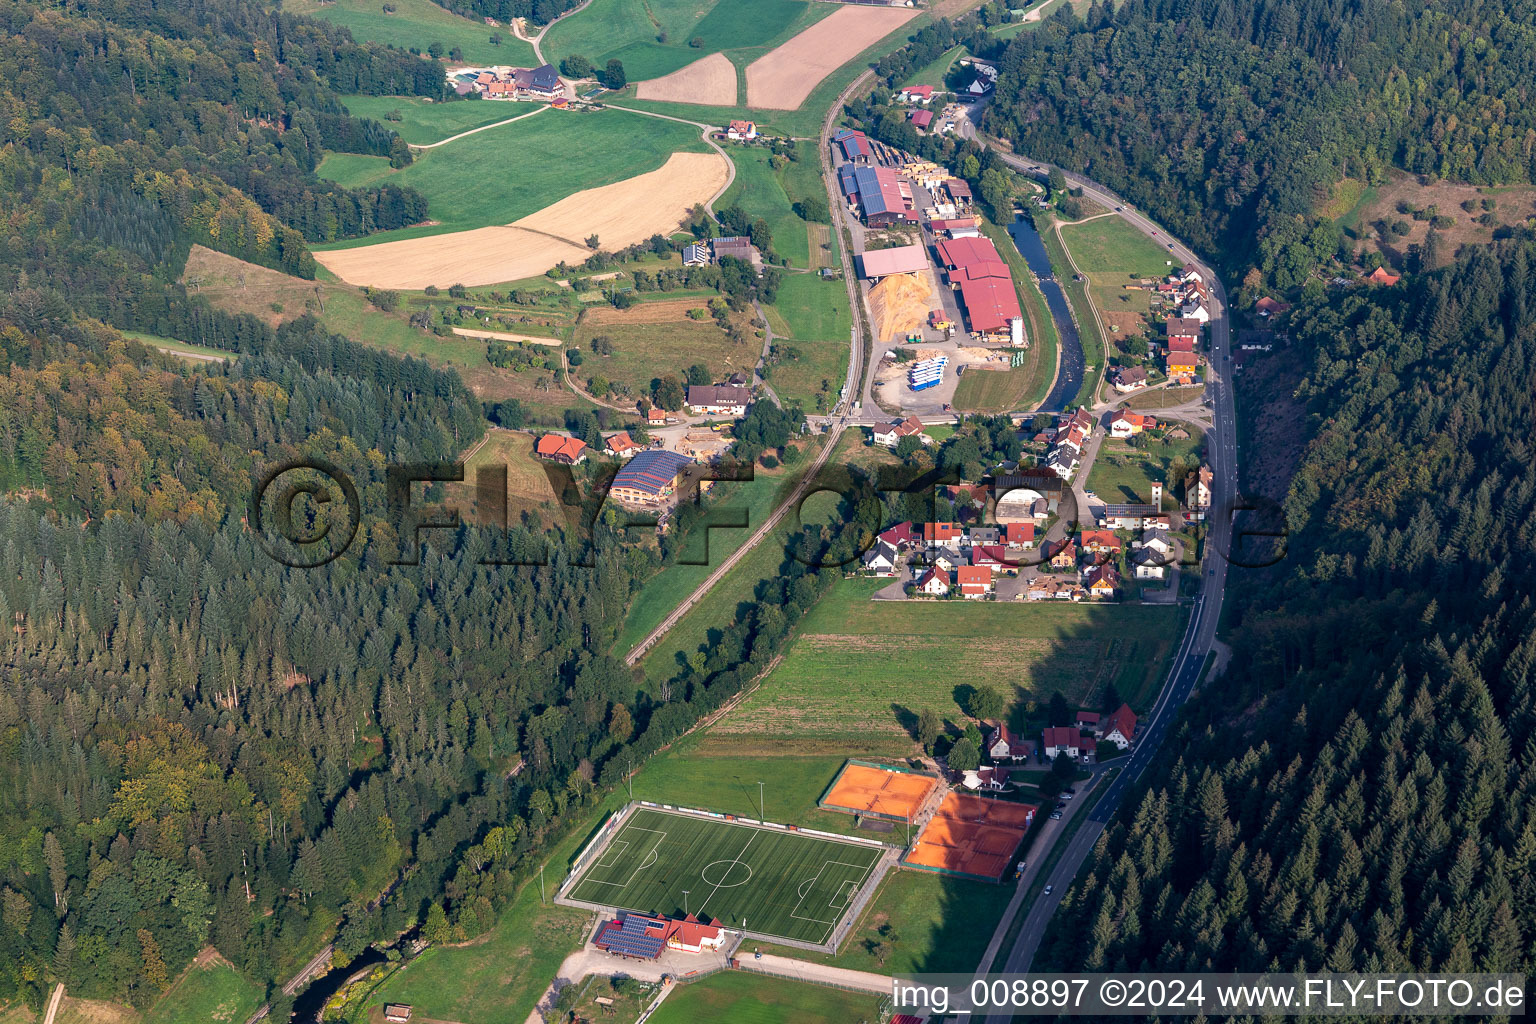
1358,791
1220,117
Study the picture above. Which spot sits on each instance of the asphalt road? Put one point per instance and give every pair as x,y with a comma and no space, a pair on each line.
1200,635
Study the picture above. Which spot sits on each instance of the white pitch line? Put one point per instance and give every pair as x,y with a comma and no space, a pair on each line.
734,861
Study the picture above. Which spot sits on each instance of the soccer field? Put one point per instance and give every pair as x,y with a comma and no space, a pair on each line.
785,884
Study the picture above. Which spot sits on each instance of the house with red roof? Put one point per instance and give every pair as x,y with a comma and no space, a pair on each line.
1065,556
1062,739
1019,535
1120,727
1088,721
644,936
1268,307
887,435
1382,276
1123,423
656,417
948,535
975,581
1100,541
565,450
1003,745
899,536
622,445
934,583
916,94
741,130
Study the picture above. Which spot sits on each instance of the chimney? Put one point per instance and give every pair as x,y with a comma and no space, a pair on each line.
1157,496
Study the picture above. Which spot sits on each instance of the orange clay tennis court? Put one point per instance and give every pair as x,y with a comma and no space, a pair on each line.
867,789
972,836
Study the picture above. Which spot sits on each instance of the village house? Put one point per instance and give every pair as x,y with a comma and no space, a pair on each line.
943,559
718,400
946,535
1063,463
1019,535
880,560
915,94
934,583
540,82
1102,582
1061,739
565,450
1088,721
1120,727
1065,557
993,558
696,255
1124,517
398,1013
656,416
741,131
1197,491
1130,378
623,446
1124,423
1100,542
889,434
1381,276
899,536
1268,307
1003,745
1147,564
974,581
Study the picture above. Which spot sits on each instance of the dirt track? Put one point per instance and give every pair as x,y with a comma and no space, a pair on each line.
782,78
710,81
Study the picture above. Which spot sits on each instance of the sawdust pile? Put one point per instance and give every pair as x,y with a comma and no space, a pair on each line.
900,303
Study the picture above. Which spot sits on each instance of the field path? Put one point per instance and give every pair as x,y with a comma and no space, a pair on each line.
482,128
705,129
53,1003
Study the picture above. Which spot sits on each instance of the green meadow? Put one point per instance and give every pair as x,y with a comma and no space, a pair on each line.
652,37
498,176
422,121
418,24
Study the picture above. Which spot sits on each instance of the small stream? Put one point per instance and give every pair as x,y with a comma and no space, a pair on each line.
1070,377
307,1007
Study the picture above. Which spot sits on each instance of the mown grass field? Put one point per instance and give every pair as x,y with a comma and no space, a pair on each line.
632,31
489,178
858,674
745,998
209,993
994,391
927,922
934,73
528,489
779,883
423,121
1113,254
418,24
815,313
193,353
763,192
1124,474
704,553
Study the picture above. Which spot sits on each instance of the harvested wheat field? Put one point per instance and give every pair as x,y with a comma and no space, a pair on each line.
782,78
620,214
478,257
532,339
900,304
634,209
710,81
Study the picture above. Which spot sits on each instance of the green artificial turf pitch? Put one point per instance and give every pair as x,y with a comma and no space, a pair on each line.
786,884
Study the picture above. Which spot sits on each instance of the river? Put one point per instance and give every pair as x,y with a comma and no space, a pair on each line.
1070,378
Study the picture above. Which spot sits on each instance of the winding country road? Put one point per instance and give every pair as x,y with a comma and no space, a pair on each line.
1200,635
